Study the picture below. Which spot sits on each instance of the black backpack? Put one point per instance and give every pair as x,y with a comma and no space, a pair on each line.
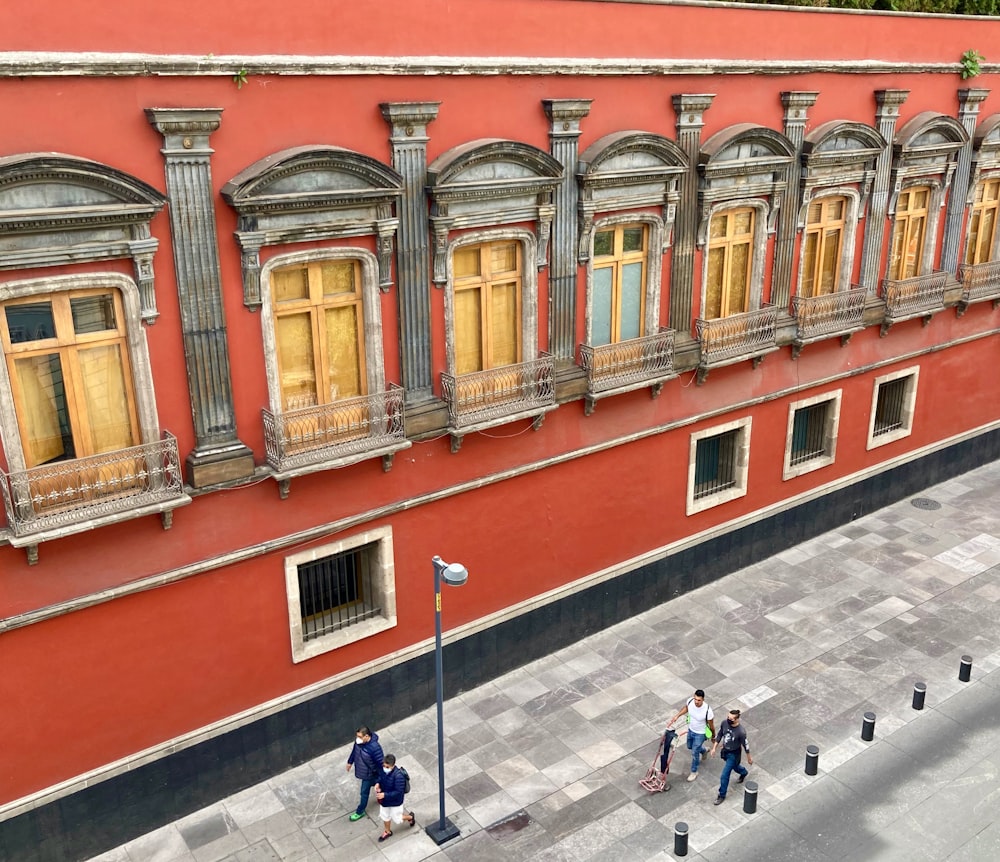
406,778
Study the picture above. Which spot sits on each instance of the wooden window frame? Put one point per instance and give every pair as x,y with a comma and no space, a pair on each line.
315,304
821,228
980,206
903,227
728,242
616,261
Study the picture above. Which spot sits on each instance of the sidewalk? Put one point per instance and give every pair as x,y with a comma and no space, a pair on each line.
543,763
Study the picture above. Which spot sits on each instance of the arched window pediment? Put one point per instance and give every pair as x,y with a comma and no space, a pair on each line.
924,152
490,182
988,133
746,142
309,193
82,210
628,170
986,150
931,133
839,154
844,139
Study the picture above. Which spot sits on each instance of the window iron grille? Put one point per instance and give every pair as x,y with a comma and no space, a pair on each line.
715,464
889,408
809,433
336,592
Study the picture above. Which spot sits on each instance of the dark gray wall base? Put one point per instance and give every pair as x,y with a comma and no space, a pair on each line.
122,808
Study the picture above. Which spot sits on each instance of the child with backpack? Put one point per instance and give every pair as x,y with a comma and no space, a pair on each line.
390,792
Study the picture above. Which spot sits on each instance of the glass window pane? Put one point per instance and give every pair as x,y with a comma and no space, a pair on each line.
630,324
604,243
986,235
342,358
338,277
738,293
93,313
504,325
288,285
296,360
602,303
743,222
717,226
713,285
972,250
831,261
32,321
44,416
465,262
102,376
809,264
632,239
468,331
503,257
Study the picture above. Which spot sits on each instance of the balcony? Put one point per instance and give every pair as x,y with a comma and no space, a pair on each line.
907,298
66,497
830,315
484,399
632,364
328,436
738,337
980,281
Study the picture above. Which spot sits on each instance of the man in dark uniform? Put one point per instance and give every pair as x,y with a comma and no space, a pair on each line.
733,737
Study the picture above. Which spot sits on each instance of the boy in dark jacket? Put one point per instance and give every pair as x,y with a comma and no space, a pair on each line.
366,758
390,792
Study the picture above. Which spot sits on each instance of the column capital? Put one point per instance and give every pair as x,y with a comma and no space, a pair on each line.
185,130
969,99
796,102
889,101
565,115
409,120
690,107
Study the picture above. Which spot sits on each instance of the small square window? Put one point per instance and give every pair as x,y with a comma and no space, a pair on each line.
718,467
340,593
893,401
811,440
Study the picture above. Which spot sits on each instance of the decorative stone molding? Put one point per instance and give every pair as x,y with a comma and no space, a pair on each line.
629,170
925,148
743,161
985,153
968,110
838,154
57,209
304,194
490,182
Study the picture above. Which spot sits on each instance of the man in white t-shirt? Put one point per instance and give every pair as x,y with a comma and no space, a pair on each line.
701,719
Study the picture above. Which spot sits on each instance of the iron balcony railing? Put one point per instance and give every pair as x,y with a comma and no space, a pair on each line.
980,281
830,314
67,493
631,363
329,432
739,336
485,396
921,295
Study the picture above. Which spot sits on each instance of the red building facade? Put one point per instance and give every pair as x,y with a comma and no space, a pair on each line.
532,285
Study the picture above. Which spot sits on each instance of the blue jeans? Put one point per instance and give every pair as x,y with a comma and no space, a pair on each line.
732,762
366,788
694,743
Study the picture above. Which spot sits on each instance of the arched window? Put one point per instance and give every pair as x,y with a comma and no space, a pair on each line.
822,246
730,256
910,233
983,224
619,283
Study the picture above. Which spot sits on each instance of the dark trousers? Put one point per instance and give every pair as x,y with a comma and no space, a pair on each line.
366,788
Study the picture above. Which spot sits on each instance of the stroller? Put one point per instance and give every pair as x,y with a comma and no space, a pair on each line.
655,780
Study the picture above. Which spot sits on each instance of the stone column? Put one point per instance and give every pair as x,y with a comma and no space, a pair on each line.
968,113
797,104
886,116
218,455
690,110
409,121
564,136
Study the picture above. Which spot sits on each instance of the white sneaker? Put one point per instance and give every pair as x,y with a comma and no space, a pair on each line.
692,776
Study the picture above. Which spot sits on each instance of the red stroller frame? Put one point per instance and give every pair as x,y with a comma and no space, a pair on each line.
655,780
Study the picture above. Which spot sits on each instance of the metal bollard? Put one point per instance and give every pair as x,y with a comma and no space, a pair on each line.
868,727
919,690
812,759
750,797
965,669
680,838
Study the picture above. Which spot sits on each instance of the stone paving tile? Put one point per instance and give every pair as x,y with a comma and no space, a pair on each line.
543,764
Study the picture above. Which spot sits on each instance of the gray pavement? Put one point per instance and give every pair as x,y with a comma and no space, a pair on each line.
544,763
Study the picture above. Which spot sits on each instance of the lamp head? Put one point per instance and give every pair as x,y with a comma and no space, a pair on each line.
455,574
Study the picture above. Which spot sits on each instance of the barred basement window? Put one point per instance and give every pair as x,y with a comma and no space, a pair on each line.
340,593
336,592
718,467
893,402
811,440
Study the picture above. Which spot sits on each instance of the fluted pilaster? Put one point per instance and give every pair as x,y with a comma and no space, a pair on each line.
218,456
886,116
408,122
564,137
968,113
797,104
690,110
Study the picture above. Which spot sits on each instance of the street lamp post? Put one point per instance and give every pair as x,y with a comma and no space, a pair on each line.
453,574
